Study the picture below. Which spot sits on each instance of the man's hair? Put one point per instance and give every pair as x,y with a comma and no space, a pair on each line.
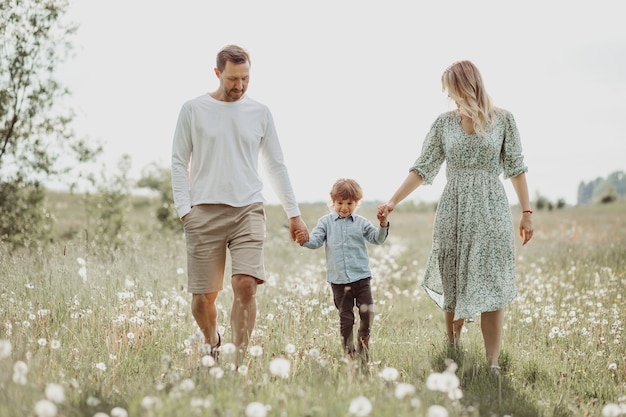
233,53
346,189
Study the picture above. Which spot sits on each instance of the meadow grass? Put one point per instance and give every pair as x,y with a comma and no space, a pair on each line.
112,329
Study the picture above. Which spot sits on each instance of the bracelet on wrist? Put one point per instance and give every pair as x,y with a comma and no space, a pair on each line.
527,211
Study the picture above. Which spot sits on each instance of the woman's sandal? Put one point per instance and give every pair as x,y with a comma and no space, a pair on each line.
494,370
215,350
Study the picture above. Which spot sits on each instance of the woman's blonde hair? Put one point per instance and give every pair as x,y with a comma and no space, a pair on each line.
464,84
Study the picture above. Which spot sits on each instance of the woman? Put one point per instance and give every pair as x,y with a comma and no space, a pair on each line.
471,269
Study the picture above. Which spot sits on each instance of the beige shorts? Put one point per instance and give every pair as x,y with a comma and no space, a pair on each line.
211,229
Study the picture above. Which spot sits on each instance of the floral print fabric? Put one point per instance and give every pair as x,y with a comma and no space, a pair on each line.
471,268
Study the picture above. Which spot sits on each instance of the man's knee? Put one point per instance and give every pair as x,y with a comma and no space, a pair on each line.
244,287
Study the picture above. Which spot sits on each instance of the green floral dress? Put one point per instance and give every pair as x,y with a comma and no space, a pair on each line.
471,268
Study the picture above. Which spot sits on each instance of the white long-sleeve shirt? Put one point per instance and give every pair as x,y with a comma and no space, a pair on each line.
215,155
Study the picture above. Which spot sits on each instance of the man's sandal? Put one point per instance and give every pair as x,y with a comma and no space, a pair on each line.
215,350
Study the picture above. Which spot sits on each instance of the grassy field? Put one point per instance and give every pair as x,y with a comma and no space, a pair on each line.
86,331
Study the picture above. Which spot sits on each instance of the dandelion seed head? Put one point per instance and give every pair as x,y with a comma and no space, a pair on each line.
150,403
180,271
55,344
270,317
207,361
314,352
55,392
19,379
322,362
360,407
256,409
200,402
611,410
416,402
119,412
187,385
216,372
455,394
5,348
228,348
612,366
20,368
45,408
101,366
389,374
255,351
290,348
92,401
436,411
242,370
280,367
404,390
82,272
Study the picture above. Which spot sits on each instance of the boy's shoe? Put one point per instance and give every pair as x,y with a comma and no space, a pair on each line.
363,348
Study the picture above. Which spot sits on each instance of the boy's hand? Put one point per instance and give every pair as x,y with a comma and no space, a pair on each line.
382,218
301,237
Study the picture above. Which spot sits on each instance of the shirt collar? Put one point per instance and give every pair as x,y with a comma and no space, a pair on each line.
336,216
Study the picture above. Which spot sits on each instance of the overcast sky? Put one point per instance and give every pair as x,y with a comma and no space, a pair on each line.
354,85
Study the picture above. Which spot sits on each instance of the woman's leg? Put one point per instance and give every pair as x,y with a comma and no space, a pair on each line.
491,325
454,328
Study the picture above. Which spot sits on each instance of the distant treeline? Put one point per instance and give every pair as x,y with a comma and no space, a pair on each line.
603,190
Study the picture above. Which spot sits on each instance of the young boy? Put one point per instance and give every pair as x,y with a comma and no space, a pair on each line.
347,262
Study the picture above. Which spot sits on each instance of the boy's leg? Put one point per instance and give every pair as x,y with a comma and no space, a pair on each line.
365,303
344,301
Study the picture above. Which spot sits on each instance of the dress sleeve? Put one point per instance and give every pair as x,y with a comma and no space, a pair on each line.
511,155
429,162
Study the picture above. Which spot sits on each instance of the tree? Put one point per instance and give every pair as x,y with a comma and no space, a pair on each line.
159,179
36,139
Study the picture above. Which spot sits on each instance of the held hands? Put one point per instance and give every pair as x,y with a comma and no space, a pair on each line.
384,210
301,238
297,227
382,218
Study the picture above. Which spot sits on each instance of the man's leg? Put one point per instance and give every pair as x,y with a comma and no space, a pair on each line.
243,313
205,312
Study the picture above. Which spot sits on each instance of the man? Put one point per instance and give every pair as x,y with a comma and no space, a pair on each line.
217,193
